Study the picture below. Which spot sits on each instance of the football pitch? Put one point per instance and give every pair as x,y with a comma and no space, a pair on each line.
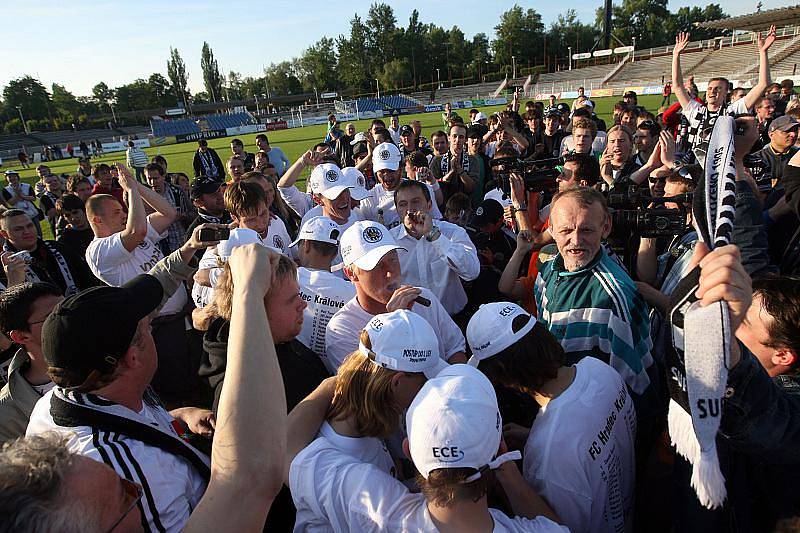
293,142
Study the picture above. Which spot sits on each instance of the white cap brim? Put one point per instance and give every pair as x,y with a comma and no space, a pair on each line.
371,258
332,193
359,193
381,164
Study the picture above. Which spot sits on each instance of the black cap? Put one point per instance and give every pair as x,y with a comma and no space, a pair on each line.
477,131
563,108
488,212
89,332
204,185
552,112
359,148
629,93
406,130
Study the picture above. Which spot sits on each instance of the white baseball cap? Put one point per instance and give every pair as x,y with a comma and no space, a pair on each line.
365,243
354,179
490,329
359,137
386,156
238,237
403,341
320,229
454,422
479,116
327,179
499,196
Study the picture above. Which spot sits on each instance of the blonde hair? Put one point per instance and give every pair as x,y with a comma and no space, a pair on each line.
364,392
222,304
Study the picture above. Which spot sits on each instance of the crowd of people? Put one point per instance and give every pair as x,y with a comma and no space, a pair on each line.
486,330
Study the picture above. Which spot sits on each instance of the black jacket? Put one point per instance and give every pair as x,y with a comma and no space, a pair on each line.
46,267
199,170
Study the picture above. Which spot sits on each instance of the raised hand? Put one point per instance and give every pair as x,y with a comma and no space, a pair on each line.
681,40
766,42
125,178
667,144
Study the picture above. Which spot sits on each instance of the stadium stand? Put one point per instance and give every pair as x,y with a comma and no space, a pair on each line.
181,126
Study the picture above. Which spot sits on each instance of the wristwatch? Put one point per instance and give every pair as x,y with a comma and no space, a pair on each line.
433,234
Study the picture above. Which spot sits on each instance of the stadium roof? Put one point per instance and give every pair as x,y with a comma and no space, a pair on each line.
782,16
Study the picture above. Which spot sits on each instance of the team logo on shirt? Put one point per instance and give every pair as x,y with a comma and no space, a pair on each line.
372,234
479,211
361,181
331,176
278,242
384,154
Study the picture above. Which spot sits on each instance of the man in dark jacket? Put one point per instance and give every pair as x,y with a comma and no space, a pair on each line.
207,163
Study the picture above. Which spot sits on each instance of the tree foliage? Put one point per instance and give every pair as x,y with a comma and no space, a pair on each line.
212,79
176,71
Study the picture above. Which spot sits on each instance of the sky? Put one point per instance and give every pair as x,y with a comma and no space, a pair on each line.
78,43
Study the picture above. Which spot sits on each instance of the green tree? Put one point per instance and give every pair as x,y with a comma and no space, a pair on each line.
162,93
29,94
281,79
518,34
317,66
395,74
212,79
64,102
176,71
568,32
352,65
479,54
646,20
382,35
686,18
103,95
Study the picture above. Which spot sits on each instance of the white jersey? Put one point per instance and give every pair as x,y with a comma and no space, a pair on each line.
355,215
172,486
341,335
380,207
343,494
324,293
580,452
278,238
112,263
300,202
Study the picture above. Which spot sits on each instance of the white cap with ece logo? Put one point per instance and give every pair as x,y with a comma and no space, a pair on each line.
365,243
320,229
327,179
386,156
454,422
490,330
354,179
403,341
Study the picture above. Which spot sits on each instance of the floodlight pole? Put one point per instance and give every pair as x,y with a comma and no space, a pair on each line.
378,86
570,56
514,67
22,118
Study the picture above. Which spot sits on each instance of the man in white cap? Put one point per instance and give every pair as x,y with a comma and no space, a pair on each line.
440,254
387,164
371,261
579,454
336,192
324,293
455,440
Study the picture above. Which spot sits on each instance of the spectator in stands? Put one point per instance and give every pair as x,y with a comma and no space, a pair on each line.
275,154
238,151
206,162
80,187
457,171
175,233
77,234
23,310
516,351
438,254
21,196
236,168
51,262
372,263
136,159
786,96
645,139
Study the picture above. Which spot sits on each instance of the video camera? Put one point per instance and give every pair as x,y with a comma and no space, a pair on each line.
539,176
632,216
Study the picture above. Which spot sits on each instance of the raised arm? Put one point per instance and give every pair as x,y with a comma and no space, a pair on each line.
250,441
136,227
681,40
764,78
164,214
305,419
293,172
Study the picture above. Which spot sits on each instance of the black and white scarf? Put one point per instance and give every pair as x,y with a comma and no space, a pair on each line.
445,162
209,167
699,353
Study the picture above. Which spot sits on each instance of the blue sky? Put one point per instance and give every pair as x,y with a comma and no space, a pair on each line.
79,43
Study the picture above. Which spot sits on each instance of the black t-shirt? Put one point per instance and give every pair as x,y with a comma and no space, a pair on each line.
552,144
77,240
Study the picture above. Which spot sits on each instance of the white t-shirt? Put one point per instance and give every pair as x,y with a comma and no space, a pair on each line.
324,293
355,215
346,494
112,263
380,206
341,335
580,452
301,202
278,237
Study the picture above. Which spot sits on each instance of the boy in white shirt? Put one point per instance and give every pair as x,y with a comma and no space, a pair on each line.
579,454
324,292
